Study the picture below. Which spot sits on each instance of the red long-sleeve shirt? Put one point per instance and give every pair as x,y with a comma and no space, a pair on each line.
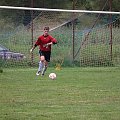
42,40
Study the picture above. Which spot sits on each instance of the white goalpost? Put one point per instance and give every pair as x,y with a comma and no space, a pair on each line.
58,10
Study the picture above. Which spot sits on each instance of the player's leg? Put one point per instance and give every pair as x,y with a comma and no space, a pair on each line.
47,59
41,63
44,68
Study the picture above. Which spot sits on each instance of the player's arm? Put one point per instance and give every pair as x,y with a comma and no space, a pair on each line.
50,43
31,50
46,45
38,42
53,41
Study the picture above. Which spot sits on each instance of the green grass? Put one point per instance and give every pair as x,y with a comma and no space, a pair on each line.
76,94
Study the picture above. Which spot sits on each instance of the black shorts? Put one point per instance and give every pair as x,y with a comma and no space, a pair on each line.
46,54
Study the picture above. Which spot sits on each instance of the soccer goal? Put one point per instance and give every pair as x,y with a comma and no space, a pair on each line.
85,38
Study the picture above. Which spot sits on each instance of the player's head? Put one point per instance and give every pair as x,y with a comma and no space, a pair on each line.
46,30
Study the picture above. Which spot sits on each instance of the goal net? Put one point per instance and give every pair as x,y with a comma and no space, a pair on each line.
84,38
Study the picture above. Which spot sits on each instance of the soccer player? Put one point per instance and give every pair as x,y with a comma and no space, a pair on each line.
44,42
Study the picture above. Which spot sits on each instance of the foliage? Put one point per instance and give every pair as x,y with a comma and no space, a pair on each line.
67,4
2,62
1,70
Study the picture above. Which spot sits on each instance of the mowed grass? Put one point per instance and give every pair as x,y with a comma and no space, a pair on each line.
76,94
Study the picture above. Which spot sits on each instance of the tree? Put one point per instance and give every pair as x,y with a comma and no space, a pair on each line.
16,16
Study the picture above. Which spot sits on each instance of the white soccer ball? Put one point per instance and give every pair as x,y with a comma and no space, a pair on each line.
52,76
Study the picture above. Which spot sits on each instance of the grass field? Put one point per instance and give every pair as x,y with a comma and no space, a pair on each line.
76,94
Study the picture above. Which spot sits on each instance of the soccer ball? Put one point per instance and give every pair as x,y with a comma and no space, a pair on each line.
52,76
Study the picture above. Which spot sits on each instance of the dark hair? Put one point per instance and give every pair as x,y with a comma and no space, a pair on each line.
46,28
